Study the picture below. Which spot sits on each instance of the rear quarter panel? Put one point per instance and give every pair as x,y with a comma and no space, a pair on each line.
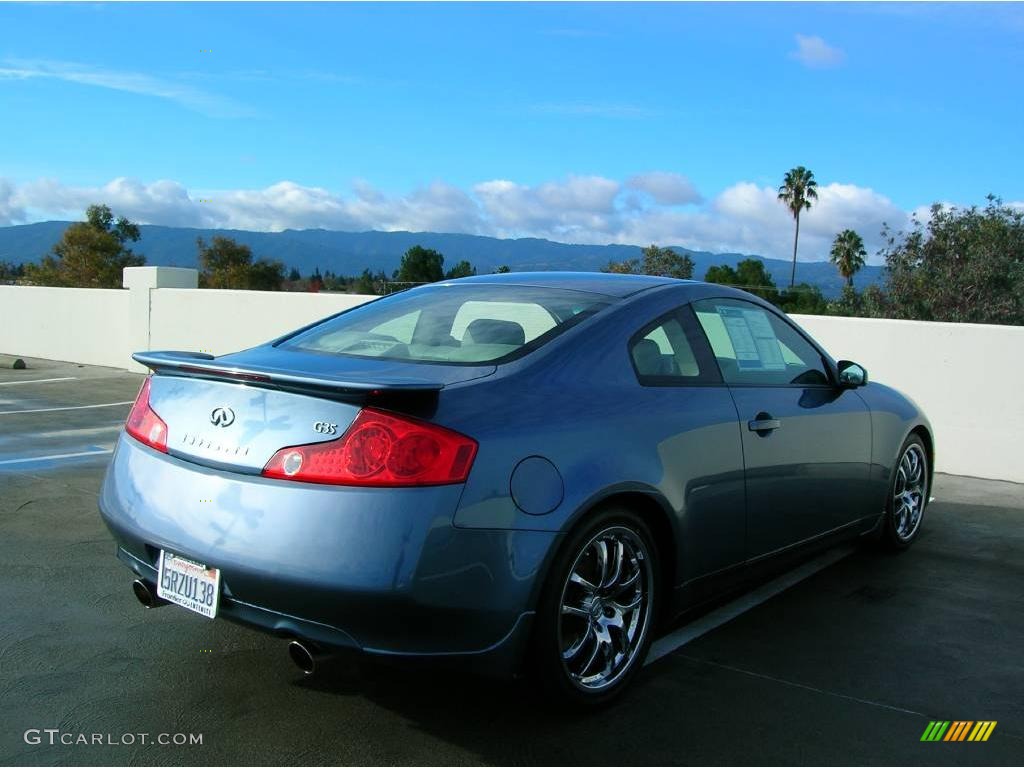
893,417
578,404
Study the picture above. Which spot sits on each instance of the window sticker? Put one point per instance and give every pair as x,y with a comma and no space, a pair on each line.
753,339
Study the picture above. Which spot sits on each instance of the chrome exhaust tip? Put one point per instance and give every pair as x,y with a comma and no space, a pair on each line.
305,656
145,593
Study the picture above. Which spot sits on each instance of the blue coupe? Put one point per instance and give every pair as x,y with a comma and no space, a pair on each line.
526,471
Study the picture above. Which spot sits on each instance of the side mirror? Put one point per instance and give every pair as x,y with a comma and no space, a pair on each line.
851,375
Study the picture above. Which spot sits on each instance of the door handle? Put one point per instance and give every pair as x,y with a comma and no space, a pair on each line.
763,424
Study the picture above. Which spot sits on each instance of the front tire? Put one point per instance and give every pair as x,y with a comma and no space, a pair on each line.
596,614
908,496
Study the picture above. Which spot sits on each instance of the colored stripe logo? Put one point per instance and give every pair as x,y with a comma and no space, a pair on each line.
959,730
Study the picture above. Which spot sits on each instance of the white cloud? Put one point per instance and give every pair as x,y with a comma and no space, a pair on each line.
131,82
571,209
162,202
765,226
280,206
11,210
745,217
438,207
813,52
665,188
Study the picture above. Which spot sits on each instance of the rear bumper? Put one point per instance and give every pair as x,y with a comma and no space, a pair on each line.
383,571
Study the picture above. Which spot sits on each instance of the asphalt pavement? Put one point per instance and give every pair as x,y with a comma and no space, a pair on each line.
846,666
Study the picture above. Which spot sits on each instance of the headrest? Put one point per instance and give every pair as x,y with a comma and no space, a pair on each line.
647,356
485,331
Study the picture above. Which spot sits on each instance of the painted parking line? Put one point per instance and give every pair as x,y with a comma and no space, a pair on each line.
96,451
716,618
70,437
802,686
116,426
37,381
67,408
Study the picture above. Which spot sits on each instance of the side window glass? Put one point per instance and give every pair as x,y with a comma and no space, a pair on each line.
663,355
754,346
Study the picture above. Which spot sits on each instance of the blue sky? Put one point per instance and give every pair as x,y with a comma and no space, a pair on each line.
578,122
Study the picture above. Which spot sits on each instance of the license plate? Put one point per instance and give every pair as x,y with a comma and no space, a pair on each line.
188,584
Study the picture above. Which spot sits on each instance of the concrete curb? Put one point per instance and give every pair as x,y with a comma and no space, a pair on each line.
9,361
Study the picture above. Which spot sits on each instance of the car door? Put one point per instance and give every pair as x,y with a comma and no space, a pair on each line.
806,441
699,446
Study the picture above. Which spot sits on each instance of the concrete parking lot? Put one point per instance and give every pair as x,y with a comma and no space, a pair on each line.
846,666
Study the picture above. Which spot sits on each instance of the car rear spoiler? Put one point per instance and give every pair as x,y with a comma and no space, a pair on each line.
204,366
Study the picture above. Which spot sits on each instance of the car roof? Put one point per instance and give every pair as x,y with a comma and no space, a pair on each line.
606,283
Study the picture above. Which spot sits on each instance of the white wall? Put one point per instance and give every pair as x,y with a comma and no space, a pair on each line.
968,379
79,325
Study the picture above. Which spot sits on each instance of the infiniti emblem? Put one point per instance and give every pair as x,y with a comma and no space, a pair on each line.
222,417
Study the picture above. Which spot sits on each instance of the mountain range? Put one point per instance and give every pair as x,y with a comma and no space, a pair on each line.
349,253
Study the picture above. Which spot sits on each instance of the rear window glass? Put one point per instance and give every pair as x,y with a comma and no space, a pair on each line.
457,324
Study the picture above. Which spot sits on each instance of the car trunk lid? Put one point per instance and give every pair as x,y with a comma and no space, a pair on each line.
236,411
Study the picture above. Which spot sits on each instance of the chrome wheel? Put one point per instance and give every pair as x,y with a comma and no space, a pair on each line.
605,608
909,493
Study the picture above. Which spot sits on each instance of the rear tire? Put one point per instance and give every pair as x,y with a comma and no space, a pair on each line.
596,614
908,496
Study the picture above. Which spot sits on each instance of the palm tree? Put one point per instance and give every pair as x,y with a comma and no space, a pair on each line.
848,254
797,190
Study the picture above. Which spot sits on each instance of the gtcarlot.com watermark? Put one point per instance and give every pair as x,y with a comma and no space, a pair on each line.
55,736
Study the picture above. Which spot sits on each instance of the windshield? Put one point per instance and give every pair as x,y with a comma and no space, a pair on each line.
459,324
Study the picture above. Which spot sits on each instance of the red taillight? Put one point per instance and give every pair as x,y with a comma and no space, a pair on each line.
143,424
380,449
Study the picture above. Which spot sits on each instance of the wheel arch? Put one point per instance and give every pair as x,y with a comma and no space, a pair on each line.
656,513
925,434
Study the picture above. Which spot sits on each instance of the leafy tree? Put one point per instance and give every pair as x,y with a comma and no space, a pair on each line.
294,276
966,266
502,270
420,265
753,273
11,271
225,263
627,267
381,285
369,284
333,282
91,253
848,254
797,190
316,281
803,299
872,302
869,303
462,269
749,274
723,274
364,284
266,275
663,262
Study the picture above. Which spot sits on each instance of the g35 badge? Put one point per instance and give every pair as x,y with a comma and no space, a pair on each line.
325,428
